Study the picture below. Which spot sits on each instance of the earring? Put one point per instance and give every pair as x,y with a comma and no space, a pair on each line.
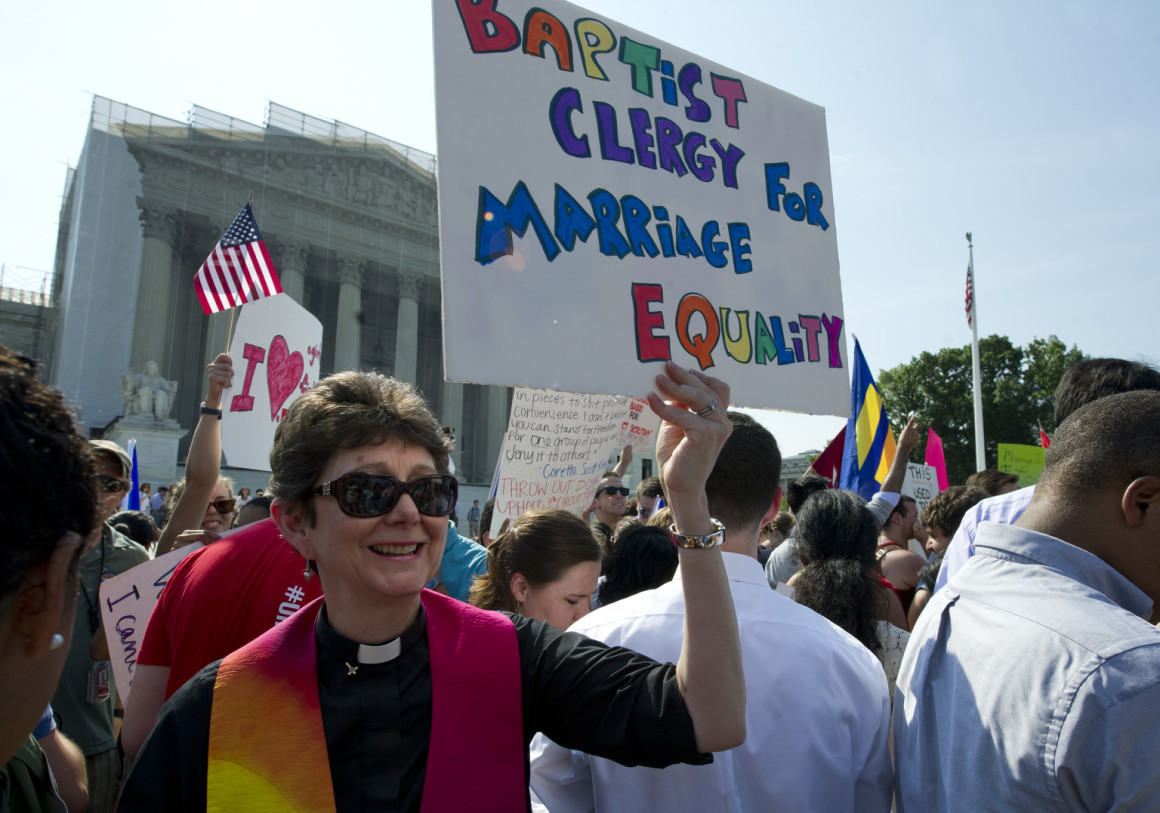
57,641
309,571
520,607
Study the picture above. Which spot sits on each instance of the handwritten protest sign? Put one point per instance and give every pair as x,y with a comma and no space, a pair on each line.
639,428
921,483
620,202
556,447
275,348
1022,459
127,601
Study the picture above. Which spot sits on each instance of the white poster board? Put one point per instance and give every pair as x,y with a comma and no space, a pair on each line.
127,601
275,348
618,202
556,448
639,428
921,483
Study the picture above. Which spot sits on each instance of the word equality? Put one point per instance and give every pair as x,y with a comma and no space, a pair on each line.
700,328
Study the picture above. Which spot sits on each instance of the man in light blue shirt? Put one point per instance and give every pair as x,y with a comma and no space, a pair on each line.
1005,509
1081,384
1032,682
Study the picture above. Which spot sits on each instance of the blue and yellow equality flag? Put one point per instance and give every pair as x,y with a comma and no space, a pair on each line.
870,445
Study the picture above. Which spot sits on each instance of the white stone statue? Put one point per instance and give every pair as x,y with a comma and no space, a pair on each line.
148,394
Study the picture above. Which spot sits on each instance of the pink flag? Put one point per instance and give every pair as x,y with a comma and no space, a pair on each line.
934,457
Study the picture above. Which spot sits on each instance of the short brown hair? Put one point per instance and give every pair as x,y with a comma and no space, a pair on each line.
946,510
991,480
348,410
649,487
541,545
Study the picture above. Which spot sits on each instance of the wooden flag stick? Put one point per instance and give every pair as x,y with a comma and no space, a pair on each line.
230,332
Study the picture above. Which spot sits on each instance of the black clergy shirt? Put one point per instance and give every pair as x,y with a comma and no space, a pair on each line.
608,701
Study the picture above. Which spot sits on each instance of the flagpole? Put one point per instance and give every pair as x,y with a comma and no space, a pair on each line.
980,451
230,330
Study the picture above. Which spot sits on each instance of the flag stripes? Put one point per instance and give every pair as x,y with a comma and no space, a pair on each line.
238,270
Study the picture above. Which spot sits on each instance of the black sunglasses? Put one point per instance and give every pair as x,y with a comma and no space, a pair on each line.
111,485
372,495
610,490
223,505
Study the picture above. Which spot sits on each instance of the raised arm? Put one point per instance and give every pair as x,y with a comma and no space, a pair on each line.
624,462
709,668
906,443
204,461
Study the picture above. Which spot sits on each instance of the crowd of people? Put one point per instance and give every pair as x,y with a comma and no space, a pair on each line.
698,643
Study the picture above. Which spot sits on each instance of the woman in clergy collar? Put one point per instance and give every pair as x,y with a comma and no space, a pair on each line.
386,696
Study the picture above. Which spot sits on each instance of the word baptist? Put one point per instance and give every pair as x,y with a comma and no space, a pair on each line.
490,31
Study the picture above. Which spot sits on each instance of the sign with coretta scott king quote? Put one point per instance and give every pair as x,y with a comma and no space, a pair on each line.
614,201
555,451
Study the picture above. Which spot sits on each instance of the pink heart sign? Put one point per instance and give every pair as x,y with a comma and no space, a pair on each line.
283,371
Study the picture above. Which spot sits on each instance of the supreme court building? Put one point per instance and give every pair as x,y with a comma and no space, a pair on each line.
349,218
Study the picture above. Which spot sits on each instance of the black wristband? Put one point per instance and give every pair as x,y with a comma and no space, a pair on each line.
210,411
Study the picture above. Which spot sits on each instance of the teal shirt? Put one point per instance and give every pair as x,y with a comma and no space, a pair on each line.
462,561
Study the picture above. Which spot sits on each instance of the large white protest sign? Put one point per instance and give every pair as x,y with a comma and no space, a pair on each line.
127,601
921,483
618,201
555,450
275,348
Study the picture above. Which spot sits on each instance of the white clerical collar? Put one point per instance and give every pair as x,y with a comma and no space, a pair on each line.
379,653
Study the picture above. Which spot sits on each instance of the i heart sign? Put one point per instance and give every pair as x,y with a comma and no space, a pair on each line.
284,371
276,349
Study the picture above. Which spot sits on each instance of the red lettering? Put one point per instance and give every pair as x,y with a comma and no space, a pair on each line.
731,92
487,30
254,356
649,346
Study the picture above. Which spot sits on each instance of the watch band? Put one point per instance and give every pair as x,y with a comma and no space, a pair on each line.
708,541
210,411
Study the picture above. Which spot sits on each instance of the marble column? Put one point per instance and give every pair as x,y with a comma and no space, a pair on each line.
348,333
293,256
451,414
407,326
152,321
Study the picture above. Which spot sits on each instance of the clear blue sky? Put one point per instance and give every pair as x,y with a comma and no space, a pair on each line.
1034,125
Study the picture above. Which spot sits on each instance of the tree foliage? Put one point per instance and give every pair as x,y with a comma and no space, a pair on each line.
1018,386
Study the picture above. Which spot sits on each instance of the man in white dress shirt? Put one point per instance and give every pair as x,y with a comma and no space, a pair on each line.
817,709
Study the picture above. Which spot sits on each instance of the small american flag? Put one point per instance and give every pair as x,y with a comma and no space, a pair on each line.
239,268
970,295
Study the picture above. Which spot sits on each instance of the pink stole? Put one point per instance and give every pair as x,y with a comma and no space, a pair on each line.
267,746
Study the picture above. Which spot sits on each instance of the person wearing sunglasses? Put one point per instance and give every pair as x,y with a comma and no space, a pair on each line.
86,696
412,699
608,505
203,504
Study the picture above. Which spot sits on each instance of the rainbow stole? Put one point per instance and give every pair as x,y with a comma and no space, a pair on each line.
267,746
